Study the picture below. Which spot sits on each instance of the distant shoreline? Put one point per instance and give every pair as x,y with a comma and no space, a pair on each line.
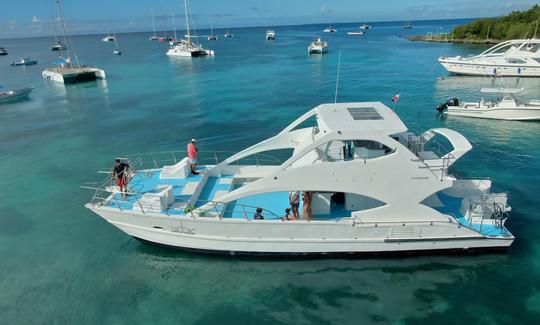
437,39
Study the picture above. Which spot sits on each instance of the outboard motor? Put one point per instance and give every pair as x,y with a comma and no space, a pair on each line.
443,106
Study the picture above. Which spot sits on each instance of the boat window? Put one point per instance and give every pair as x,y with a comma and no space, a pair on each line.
352,149
532,47
515,61
502,49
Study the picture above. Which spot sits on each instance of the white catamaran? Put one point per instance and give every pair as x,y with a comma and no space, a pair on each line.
354,166
68,71
188,47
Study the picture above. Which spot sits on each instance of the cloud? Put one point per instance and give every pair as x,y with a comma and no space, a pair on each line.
35,20
254,9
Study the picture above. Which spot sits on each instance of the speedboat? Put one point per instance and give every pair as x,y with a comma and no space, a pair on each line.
14,95
188,47
270,35
3,51
354,164
355,33
58,46
24,62
507,107
514,58
318,46
330,30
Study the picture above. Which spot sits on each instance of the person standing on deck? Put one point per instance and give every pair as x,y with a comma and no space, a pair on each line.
120,171
294,200
192,155
306,205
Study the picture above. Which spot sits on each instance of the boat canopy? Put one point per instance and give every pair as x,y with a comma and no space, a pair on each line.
501,90
358,117
459,142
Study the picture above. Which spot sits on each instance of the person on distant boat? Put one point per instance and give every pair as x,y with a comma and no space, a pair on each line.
258,214
294,200
306,205
192,155
120,171
288,215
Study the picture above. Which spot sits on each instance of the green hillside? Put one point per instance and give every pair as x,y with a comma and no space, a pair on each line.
518,24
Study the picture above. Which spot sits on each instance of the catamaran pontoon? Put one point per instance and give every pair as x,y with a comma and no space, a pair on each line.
358,164
505,108
515,58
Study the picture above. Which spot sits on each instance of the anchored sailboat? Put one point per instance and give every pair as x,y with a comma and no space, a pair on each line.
116,48
154,36
188,47
212,37
68,71
108,38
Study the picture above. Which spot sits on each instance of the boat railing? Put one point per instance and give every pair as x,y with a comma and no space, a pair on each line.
156,160
103,196
419,144
490,208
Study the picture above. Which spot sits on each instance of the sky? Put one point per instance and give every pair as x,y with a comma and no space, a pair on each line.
32,18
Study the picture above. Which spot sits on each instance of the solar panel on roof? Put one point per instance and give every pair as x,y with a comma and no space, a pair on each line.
364,113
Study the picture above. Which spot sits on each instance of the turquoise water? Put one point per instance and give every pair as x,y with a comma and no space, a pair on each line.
61,264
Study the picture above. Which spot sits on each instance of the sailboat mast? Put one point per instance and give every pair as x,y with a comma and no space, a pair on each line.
153,22
174,27
187,22
108,33
61,15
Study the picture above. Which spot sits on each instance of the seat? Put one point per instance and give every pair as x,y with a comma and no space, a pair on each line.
158,201
179,170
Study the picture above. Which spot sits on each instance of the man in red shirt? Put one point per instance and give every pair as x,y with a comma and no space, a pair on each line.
192,155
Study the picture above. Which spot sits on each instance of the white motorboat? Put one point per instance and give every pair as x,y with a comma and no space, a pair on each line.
514,58
23,62
188,47
270,35
67,71
318,46
355,33
355,166
507,107
14,95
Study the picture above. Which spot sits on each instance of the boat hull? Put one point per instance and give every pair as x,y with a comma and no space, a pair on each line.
74,75
308,238
471,68
509,114
18,94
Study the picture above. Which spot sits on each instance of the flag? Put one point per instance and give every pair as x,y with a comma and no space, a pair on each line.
395,98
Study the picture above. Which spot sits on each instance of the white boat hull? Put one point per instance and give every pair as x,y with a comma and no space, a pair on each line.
471,68
253,237
76,76
184,53
510,114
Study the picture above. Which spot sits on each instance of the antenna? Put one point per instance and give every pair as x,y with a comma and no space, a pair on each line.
337,76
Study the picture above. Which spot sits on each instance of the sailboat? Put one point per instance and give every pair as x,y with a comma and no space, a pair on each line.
57,45
365,25
174,41
153,37
407,25
67,71
116,48
212,37
228,34
329,29
108,38
188,47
